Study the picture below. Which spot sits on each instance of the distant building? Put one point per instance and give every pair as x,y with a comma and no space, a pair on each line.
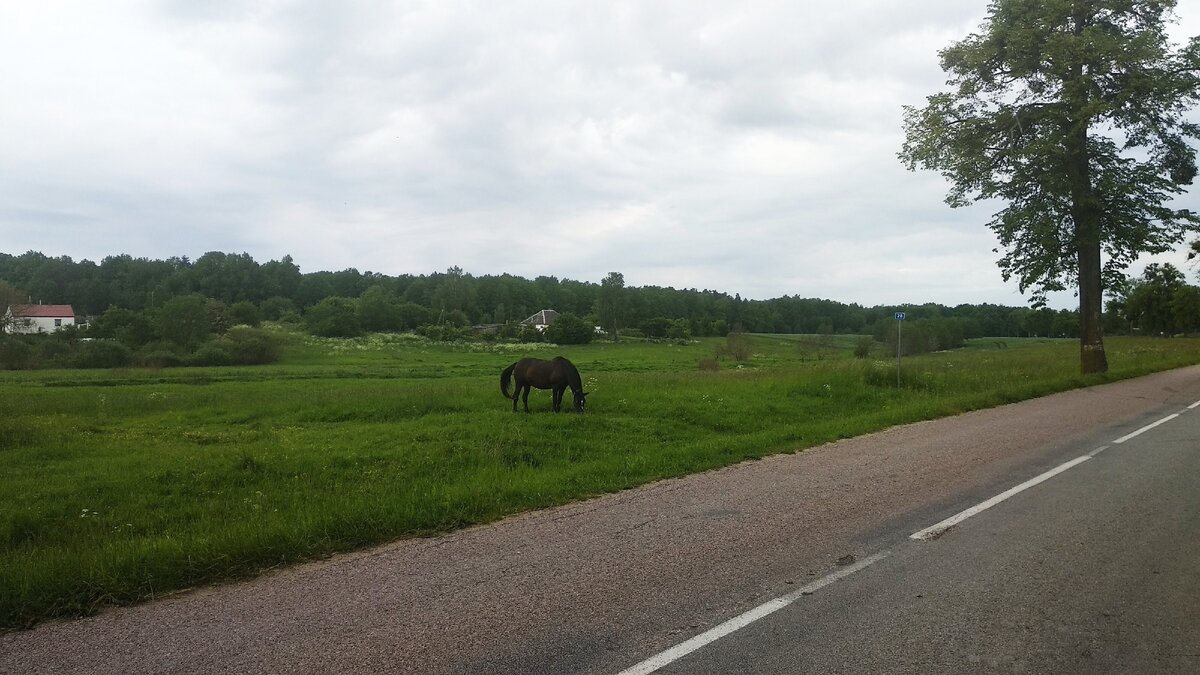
542,319
25,319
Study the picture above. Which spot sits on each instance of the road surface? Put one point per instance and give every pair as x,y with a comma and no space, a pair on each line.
1094,568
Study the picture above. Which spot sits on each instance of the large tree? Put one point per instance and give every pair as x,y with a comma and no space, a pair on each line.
1072,112
612,304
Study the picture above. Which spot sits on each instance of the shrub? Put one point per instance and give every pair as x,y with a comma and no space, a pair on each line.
709,363
570,329
679,329
210,354
218,316
159,358
274,308
738,344
244,313
656,327
102,354
250,346
413,315
133,329
445,333
528,333
184,320
15,354
54,352
333,317
862,348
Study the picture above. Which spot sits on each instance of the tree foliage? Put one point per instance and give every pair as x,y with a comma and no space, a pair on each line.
570,329
1072,113
612,304
1161,302
333,317
184,320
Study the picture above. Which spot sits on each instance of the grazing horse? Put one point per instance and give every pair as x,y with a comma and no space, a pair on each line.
556,375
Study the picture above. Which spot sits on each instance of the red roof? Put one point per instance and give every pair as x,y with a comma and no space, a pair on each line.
43,311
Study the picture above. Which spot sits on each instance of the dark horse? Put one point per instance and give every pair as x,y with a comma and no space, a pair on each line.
557,375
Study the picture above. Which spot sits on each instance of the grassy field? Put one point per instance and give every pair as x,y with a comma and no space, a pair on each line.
119,486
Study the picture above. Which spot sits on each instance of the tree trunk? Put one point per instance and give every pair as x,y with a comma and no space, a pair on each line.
1086,211
1091,338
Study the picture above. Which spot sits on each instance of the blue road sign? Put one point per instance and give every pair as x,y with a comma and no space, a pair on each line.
899,316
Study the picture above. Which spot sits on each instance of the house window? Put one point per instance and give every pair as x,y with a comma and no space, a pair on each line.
58,323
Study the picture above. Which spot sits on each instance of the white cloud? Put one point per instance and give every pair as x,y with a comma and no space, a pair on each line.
747,147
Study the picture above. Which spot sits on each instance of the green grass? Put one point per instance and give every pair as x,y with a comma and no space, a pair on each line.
119,486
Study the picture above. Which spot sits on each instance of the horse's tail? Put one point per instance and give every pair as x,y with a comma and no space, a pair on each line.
504,378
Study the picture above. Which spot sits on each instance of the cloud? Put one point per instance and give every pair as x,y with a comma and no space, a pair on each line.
744,147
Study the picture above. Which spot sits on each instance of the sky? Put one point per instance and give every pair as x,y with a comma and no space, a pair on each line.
746,147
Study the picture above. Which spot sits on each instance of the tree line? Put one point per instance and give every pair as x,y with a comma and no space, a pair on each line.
278,289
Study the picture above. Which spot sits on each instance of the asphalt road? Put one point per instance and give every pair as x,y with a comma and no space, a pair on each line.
1095,569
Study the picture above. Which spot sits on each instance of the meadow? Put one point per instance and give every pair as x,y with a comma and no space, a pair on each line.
120,486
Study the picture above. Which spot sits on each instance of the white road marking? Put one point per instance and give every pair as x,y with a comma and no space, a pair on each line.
1146,428
934,530
738,622
682,649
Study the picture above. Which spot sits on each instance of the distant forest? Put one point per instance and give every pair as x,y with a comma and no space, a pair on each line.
279,289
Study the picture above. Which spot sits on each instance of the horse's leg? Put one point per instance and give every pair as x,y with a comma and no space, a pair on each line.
556,394
524,397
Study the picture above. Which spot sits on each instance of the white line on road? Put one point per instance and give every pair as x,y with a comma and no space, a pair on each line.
681,650
1146,428
738,622
934,530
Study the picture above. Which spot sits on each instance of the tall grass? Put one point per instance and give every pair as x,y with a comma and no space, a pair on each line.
121,486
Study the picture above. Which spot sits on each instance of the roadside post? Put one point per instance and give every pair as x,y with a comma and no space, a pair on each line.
899,345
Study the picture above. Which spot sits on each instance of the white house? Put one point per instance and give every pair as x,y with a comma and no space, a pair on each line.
38,318
542,319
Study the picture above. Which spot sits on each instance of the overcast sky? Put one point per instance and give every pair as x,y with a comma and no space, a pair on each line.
748,147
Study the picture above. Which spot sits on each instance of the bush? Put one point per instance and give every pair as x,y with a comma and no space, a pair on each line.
413,315
102,354
569,329
15,354
862,348
54,352
133,329
445,333
250,346
274,308
244,313
656,327
160,358
333,317
738,344
210,354
679,329
379,311
528,333
184,320
710,363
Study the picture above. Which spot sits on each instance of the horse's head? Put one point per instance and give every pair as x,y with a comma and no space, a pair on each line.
580,399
